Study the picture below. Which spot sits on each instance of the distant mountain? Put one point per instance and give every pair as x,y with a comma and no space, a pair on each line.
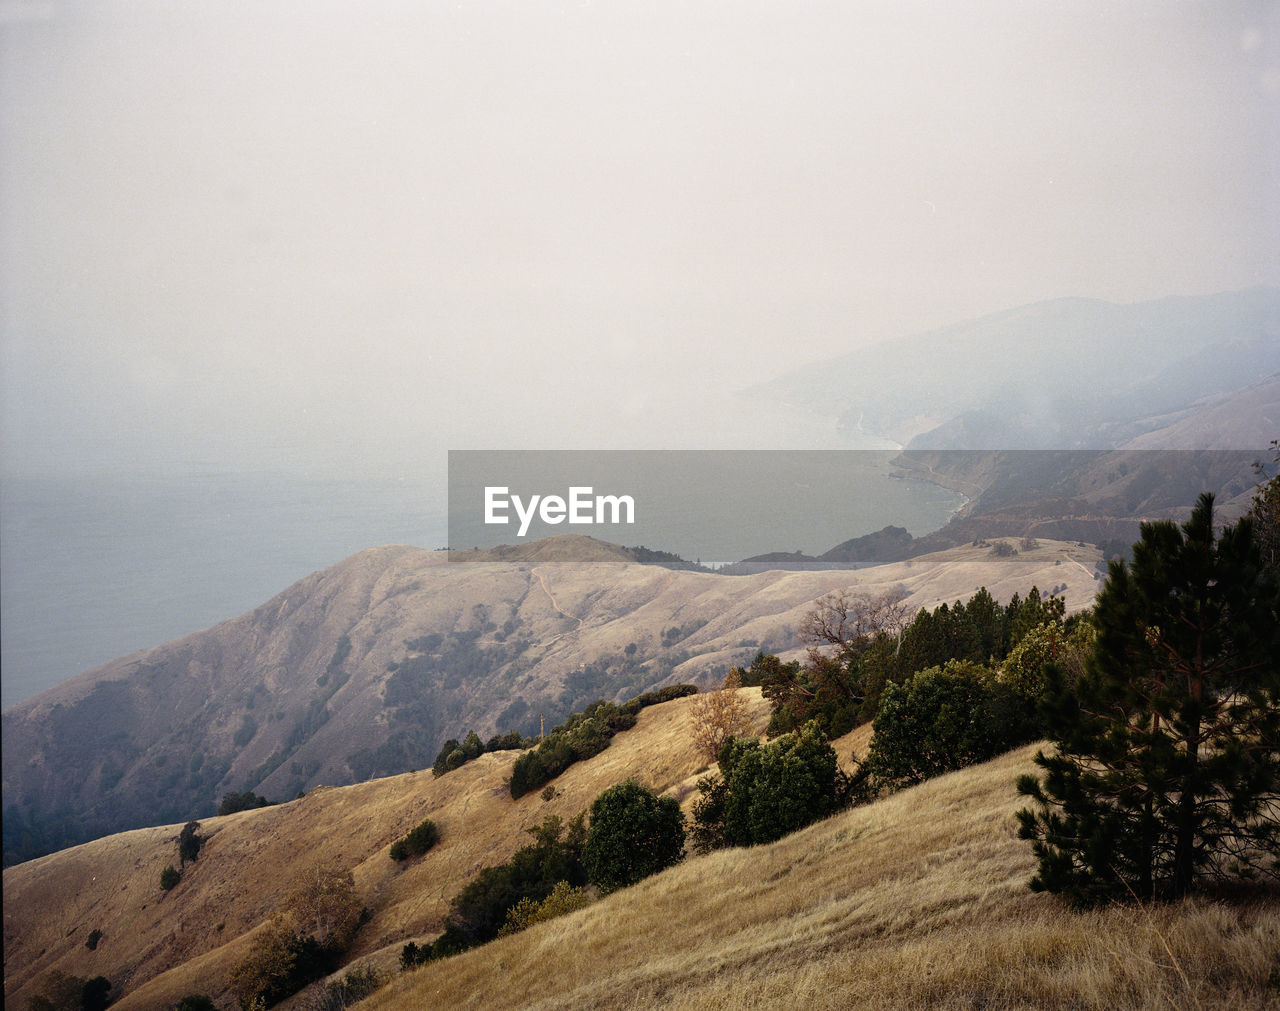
366,668
1066,374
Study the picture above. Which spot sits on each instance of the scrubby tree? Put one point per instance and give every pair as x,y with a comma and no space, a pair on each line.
169,878
189,843
324,905
262,975
720,714
633,833
480,909
1167,760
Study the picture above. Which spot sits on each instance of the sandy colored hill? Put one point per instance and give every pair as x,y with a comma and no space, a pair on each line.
364,669
159,946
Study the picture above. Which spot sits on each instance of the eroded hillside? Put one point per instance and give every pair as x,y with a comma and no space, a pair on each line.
364,669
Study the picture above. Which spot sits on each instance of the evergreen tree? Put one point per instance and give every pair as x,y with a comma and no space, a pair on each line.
1167,766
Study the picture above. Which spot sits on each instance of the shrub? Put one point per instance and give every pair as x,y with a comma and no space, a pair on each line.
196,1002
775,789
481,908
417,842
189,843
247,801
564,898
354,987
169,878
633,833
945,718
91,942
767,791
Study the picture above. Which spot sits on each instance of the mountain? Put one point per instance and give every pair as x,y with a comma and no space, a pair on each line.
366,668
1064,374
919,899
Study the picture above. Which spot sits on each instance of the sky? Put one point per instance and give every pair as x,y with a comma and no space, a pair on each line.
334,237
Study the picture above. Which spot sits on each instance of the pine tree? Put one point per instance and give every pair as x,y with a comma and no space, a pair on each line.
1167,767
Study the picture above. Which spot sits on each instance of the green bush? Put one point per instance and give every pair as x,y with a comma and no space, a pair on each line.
945,718
564,898
765,792
481,908
633,833
169,877
247,801
417,842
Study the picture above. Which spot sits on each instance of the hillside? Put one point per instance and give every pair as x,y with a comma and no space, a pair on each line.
366,668
1065,374
919,899
159,946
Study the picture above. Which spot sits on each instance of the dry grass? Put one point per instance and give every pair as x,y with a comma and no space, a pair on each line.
160,946
919,900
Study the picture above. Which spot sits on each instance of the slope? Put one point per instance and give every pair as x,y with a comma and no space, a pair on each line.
158,946
917,900
364,669
1066,373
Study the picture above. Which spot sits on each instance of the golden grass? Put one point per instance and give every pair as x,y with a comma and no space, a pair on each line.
159,946
918,900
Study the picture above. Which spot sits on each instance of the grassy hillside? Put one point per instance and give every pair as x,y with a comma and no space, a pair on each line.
159,946
365,669
917,900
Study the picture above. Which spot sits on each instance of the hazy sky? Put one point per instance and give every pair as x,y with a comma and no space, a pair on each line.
322,235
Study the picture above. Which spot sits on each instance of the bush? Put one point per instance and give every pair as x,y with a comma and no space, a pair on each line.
189,843
945,718
169,878
417,842
564,898
775,789
354,987
247,801
481,908
91,942
633,834
767,791
196,1002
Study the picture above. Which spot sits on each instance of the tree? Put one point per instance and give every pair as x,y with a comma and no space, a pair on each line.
1265,510
189,843
719,715
946,718
1167,768
324,905
633,833
767,791
417,842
